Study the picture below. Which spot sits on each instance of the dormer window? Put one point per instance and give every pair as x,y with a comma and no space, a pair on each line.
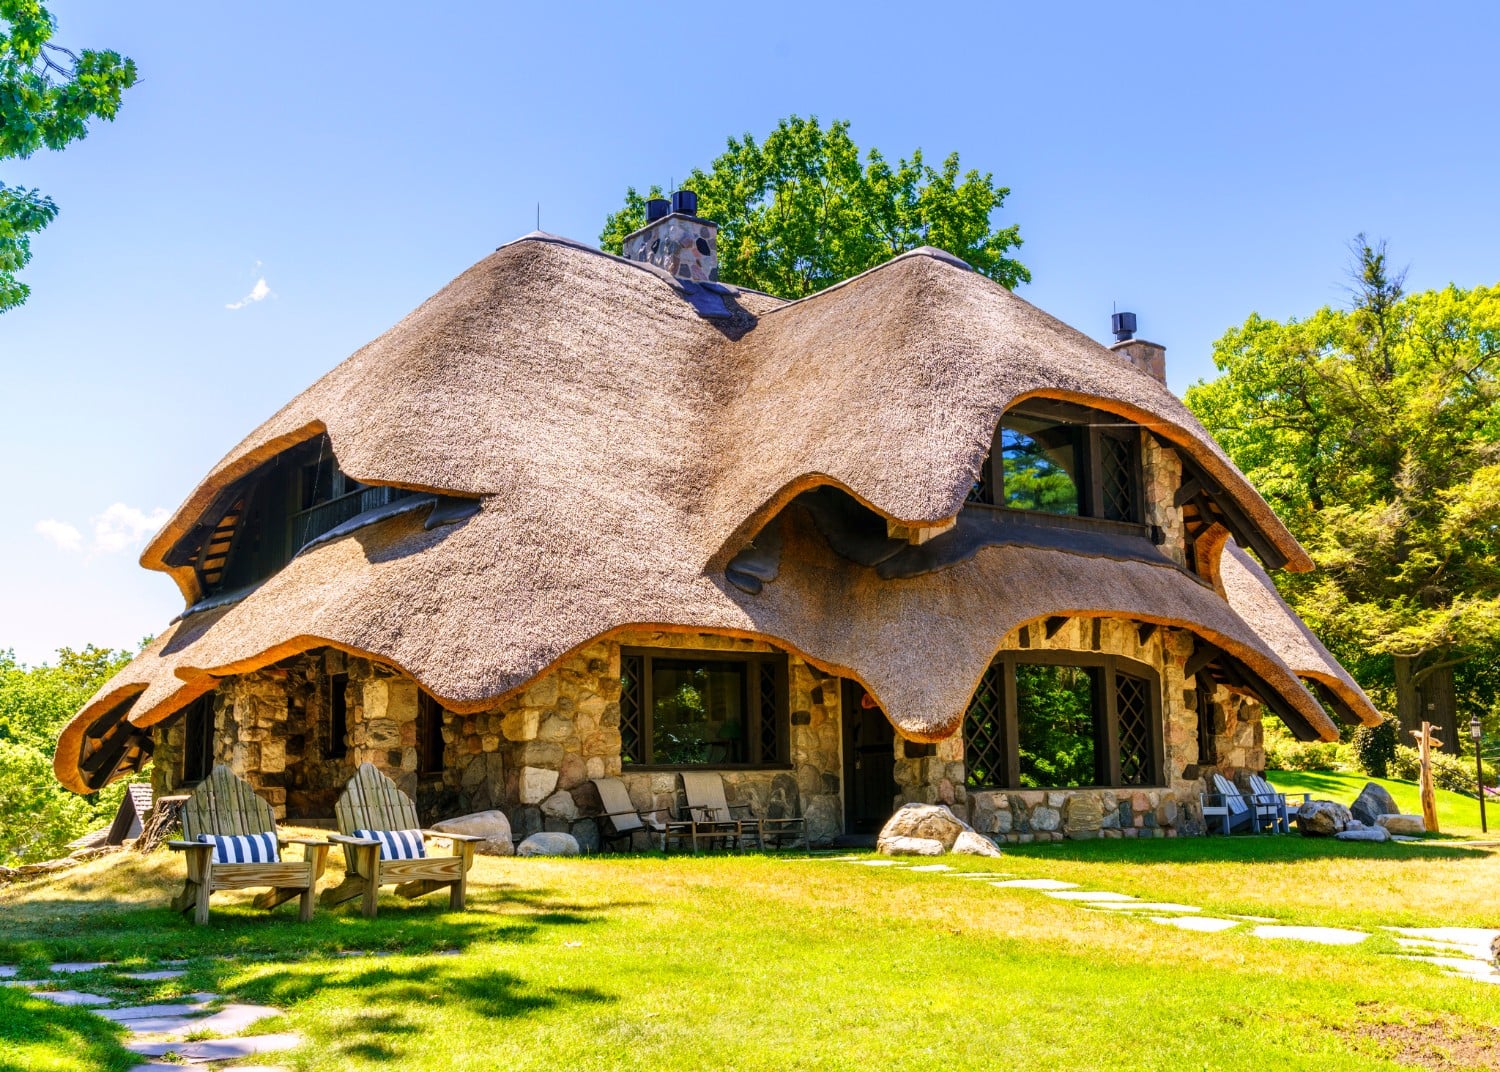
1055,458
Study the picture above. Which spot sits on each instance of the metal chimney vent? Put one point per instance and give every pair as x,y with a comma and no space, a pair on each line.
656,208
685,202
1123,326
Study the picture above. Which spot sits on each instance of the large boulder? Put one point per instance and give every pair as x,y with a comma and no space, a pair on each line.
548,843
932,822
1373,802
1322,818
492,826
1358,831
971,844
910,846
1410,825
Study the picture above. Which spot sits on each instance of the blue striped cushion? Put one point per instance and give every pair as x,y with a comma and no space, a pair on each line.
396,844
243,848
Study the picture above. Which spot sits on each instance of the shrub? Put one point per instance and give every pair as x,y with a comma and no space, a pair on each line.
1375,747
1448,772
1302,755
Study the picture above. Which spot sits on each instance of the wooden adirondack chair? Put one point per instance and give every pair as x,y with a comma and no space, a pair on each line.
1228,804
225,805
1270,804
371,801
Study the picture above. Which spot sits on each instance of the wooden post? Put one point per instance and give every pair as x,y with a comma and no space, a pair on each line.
1426,742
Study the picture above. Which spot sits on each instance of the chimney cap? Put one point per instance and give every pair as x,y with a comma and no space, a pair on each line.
656,208
1123,326
685,202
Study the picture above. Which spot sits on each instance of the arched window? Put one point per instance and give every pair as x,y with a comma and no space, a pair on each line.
1055,458
1063,720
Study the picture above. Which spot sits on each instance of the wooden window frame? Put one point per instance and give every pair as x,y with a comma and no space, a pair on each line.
753,709
336,744
1106,718
1094,426
431,748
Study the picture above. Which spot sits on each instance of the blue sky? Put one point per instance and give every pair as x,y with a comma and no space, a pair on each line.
1193,163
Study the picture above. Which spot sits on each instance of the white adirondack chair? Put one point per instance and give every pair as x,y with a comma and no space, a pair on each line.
1227,807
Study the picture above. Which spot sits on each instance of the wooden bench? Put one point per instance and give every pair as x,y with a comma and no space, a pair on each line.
226,806
371,801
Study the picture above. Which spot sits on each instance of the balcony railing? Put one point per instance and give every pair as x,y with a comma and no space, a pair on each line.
308,525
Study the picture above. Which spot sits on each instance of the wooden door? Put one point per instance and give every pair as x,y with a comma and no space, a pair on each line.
869,763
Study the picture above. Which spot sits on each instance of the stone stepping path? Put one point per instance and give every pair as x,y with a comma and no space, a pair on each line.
1461,951
161,1030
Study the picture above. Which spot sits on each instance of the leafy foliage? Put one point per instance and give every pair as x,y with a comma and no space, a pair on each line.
38,817
800,211
1055,721
1375,747
1453,773
1374,431
47,97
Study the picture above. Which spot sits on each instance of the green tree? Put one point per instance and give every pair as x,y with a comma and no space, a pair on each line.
801,211
1375,433
47,97
38,817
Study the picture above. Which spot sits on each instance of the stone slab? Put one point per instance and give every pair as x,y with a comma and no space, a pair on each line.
1146,906
1256,919
7,971
20,982
933,867
1205,924
157,1066
146,1012
1318,935
156,976
1089,896
72,997
879,863
218,1049
1478,969
232,1019
1476,936
71,967
1035,884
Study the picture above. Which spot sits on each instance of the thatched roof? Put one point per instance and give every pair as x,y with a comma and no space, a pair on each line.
1254,598
625,448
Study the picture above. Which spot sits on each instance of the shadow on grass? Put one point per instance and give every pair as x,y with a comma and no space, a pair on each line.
32,1029
1242,848
79,929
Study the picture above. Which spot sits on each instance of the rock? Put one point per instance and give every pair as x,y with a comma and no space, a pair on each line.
1083,816
923,821
1373,801
548,843
969,843
1402,824
1045,818
1364,833
901,845
824,816
537,784
1322,818
560,806
493,826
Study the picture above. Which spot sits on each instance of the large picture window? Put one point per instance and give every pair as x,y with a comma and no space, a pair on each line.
1059,459
1063,720
682,708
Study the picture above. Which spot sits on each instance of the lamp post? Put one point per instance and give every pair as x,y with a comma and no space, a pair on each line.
1476,731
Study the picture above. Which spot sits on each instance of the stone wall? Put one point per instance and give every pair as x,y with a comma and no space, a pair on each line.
1161,476
1166,810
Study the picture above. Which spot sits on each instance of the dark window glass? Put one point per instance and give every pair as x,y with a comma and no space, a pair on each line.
198,742
429,735
338,716
1208,750
984,732
1133,730
1040,462
632,708
698,712
1057,723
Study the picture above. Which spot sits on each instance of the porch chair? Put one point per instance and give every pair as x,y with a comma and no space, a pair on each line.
384,844
621,819
1270,803
231,843
1227,804
708,809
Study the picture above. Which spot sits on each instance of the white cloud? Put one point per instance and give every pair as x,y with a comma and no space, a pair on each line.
121,527
118,528
259,292
60,533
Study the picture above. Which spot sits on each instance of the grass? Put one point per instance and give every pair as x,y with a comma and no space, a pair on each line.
1457,814
788,963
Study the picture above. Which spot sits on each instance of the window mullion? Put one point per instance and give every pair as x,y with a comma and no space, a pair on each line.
1012,726
648,708
1109,687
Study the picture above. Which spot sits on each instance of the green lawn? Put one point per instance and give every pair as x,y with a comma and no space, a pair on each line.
790,963
1457,814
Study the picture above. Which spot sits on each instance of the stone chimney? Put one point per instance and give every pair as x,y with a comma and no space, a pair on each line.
1149,357
676,239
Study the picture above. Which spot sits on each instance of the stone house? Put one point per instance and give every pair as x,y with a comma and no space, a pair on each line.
578,515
